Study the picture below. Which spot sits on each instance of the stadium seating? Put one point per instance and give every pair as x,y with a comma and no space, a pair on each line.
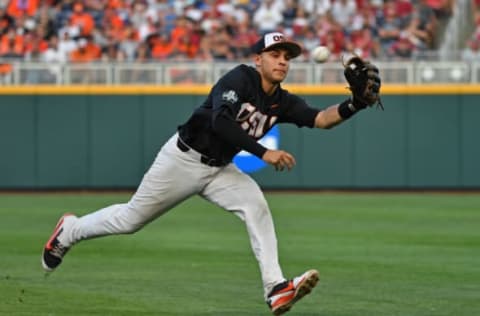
130,30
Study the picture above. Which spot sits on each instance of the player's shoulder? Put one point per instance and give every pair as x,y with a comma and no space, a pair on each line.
241,76
244,71
284,93
290,98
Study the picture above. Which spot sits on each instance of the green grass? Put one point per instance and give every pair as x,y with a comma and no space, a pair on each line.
378,254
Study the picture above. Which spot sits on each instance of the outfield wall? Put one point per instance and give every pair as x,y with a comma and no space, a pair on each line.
106,137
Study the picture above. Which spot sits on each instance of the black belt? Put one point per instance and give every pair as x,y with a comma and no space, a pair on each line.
203,159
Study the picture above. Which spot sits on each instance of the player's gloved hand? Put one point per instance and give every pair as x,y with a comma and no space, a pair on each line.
279,159
364,80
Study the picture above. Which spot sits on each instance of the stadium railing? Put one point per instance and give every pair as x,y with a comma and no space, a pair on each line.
175,73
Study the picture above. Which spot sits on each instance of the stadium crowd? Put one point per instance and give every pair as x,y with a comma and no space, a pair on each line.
80,31
471,52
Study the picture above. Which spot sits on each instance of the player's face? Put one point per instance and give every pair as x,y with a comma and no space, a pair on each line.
273,65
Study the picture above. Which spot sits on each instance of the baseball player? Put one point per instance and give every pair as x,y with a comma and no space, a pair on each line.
240,108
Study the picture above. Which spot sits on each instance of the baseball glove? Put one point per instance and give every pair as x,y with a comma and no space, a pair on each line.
364,81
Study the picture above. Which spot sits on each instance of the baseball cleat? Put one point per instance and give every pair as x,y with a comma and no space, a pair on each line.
54,250
284,295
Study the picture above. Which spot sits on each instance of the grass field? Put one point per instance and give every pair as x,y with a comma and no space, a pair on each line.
378,254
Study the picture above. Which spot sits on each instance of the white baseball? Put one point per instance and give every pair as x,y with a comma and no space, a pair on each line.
320,54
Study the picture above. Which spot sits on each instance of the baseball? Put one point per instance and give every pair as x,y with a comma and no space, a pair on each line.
320,54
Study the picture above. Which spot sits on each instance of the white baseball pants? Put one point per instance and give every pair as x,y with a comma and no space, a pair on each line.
175,176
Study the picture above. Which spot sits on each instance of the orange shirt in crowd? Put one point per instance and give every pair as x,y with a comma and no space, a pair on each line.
116,4
5,69
41,45
18,8
113,25
177,33
82,19
162,49
187,50
85,53
13,45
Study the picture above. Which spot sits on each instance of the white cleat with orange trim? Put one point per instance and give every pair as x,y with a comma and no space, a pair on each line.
284,295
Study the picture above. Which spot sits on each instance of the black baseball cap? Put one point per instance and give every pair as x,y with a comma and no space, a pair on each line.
275,40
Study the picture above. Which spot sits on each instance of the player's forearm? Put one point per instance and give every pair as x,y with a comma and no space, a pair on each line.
328,118
235,135
336,114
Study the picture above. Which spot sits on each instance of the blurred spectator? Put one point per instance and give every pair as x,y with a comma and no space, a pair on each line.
404,10
290,13
143,19
142,53
86,52
390,29
335,41
5,71
12,44
147,28
45,23
363,44
62,12
472,51
6,21
190,12
442,8
475,8
324,24
53,54
268,17
35,45
249,6
402,49
243,39
18,8
112,24
343,12
421,30
310,41
96,8
129,43
186,47
300,23
66,45
220,44
364,17
211,19
141,75
316,7
162,46
181,29
81,20
110,52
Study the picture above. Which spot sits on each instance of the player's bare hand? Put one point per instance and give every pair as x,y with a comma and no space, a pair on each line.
280,159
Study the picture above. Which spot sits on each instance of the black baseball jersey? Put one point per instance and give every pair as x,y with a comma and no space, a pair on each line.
238,110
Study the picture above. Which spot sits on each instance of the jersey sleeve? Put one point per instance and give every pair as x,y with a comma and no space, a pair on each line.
298,112
229,92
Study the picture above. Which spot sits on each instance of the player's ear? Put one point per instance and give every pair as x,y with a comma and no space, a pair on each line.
257,59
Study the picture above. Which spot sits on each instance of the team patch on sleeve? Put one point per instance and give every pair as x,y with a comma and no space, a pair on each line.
230,96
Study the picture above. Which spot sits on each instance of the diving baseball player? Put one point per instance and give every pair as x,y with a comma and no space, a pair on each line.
240,108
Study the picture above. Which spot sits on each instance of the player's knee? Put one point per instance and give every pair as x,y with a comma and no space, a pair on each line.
258,207
131,227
